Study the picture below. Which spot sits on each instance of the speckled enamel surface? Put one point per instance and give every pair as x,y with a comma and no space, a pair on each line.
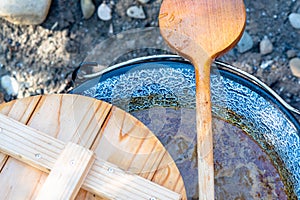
238,101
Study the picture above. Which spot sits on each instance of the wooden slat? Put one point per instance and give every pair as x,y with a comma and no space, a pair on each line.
68,173
134,137
137,150
104,179
21,111
111,177
3,159
78,116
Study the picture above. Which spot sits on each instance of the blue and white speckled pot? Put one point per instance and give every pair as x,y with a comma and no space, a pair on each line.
257,109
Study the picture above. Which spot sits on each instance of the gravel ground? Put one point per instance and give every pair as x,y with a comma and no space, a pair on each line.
40,59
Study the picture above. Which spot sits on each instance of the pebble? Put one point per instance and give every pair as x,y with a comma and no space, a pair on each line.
136,12
266,64
245,44
295,66
294,19
87,8
104,12
27,12
143,1
111,29
291,53
10,85
1,98
265,46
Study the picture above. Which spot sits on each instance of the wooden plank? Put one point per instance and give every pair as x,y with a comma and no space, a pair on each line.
124,185
3,159
29,145
68,173
18,177
70,117
104,179
129,142
136,149
21,111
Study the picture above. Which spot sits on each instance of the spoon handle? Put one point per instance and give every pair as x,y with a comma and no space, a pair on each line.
204,131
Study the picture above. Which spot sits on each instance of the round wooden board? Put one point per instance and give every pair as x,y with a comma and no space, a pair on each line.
114,135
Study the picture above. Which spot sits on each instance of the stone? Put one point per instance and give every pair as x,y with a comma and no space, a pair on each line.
291,53
245,44
143,1
111,29
294,19
10,85
265,46
27,12
295,66
266,64
87,8
1,98
136,12
104,12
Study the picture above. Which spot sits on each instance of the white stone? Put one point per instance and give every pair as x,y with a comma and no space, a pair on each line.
143,1
104,12
87,8
136,12
265,46
266,64
10,85
294,19
245,44
24,11
111,29
295,66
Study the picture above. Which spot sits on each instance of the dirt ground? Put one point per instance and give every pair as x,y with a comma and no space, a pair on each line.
42,58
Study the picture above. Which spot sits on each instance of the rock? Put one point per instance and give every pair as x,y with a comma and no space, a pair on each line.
10,85
136,12
294,19
104,12
291,53
1,98
111,29
295,66
87,8
28,12
265,46
143,1
245,44
266,64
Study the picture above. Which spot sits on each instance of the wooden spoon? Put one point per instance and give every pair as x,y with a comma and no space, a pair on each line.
201,30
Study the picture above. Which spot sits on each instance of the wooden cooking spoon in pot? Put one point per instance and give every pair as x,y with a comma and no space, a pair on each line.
201,30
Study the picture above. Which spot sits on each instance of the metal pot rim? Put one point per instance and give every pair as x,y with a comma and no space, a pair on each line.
92,77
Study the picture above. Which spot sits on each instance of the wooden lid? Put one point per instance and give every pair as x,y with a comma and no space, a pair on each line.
114,135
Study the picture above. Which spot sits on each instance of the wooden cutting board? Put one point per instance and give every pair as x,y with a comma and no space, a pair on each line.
114,135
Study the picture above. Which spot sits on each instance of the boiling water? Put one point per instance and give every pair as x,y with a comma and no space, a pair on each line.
242,169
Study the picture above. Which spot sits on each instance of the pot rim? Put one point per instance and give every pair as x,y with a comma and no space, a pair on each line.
81,79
